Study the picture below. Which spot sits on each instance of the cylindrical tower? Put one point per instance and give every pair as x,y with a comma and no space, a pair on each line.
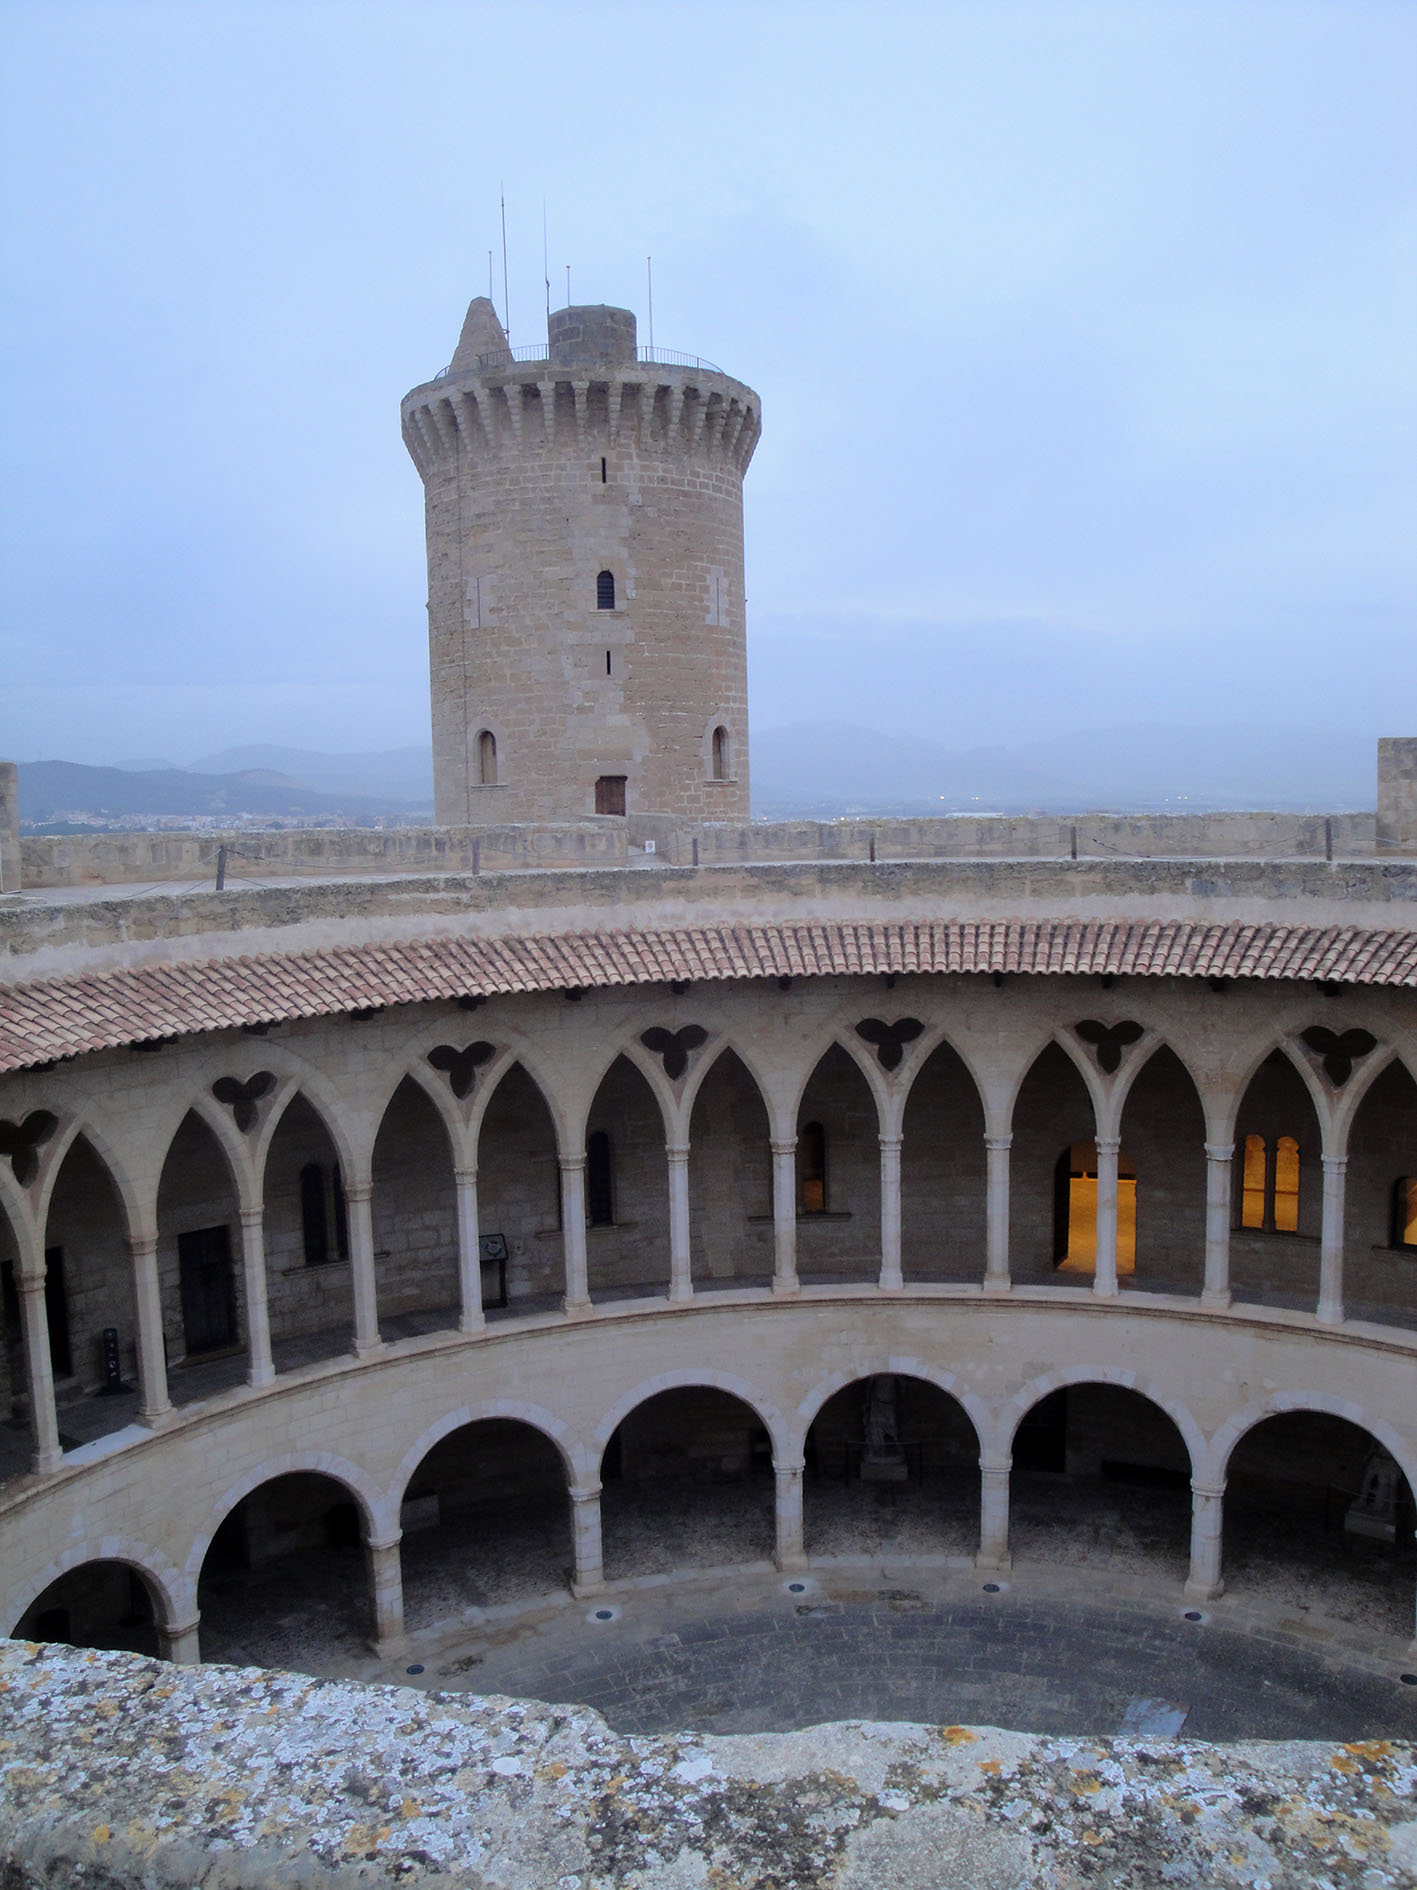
585,575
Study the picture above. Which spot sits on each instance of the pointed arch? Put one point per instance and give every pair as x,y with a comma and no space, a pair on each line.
838,1171
414,1212
626,1185
1054,1110
943,1178
730,1175
1163,1130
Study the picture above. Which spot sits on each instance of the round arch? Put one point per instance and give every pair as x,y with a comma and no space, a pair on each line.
537,1417
1402,1450
359,1486
1008,1419
973,1406
174,1596
703,1378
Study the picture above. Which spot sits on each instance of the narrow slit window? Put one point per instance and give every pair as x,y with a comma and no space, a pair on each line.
599,1180
607,662
1286,1185
1404,1211
487,758
1254,1177
811,1169
314,1225
720,753
605,591
602,472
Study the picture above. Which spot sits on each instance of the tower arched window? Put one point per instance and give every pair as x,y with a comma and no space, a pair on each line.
811,1169
720,753
487,758
605,591
599,1180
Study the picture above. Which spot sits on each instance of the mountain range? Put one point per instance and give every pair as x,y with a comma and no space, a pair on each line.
812,770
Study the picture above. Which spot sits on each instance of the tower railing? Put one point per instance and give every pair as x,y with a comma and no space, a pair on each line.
538,351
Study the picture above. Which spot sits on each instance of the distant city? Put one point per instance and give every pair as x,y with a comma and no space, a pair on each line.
811,771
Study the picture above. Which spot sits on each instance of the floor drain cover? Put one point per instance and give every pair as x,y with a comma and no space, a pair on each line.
1193,1614
415,1669
991,1588
604,1614
797,1588
1409,1679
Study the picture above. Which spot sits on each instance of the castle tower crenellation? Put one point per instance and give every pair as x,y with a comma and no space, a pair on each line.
585,575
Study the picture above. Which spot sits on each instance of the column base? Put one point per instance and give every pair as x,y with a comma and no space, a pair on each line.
44,1463
162,1420
999,1283
1329,1315
786,1289
587,1590
680,1295
792,1562
993,1564
258,1380
473,1328
577,1308
890,1286
1203,1591
1105,1292
1218,1302
367,1348
396,1647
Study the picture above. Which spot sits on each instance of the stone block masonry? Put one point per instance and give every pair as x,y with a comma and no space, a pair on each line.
585,576
280,1779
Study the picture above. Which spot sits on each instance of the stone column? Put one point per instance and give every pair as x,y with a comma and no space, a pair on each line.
1219,1158
471,1317
784,1216
386,1594
39,1373
260,1368
892,1279
178,1642
1203,1582
577,1299
153,1402
790,1551
1104,1281
588,1577
357,1201
994,1515
681,1279
996,1264
1330,1309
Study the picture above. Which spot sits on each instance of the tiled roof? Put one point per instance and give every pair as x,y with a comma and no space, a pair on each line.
63,1017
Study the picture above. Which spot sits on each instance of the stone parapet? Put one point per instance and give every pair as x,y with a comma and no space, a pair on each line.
382,1785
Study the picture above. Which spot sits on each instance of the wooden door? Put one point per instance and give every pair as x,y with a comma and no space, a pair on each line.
208,1290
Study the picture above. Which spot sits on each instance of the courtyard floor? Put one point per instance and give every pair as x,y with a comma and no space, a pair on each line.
1087,1634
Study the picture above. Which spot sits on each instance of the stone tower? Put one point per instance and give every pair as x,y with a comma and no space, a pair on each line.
585,575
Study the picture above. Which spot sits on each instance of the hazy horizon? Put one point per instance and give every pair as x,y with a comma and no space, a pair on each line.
1082,334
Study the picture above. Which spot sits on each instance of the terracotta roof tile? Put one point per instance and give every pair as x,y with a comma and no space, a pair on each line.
62,1017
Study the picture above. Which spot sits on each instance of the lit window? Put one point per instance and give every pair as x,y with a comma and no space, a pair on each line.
605,591
812,1169
1404,1212
1255,1175
1075,1211
1286,1185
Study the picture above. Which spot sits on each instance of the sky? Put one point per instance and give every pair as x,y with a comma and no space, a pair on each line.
1083,334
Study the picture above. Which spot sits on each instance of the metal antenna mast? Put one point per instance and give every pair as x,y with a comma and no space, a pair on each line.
506,305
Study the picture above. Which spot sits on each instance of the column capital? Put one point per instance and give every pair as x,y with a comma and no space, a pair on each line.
140,1245
252,1216
796,1469
1208,1492
1334,1164
996,1467
30,1285
572,1164
1108,1144
677,1151
783,1145
378,1545
589,1494
1219,1151
464,1175
1000,1144
358,1192
890,1142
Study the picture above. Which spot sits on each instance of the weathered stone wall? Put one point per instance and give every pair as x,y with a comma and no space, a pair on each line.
1397,794
232,1776
10,858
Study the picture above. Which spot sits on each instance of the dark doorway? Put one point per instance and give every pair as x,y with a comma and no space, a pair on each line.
610,794
208,1291
56,1306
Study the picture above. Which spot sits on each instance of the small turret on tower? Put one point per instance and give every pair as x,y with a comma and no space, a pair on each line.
584,508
